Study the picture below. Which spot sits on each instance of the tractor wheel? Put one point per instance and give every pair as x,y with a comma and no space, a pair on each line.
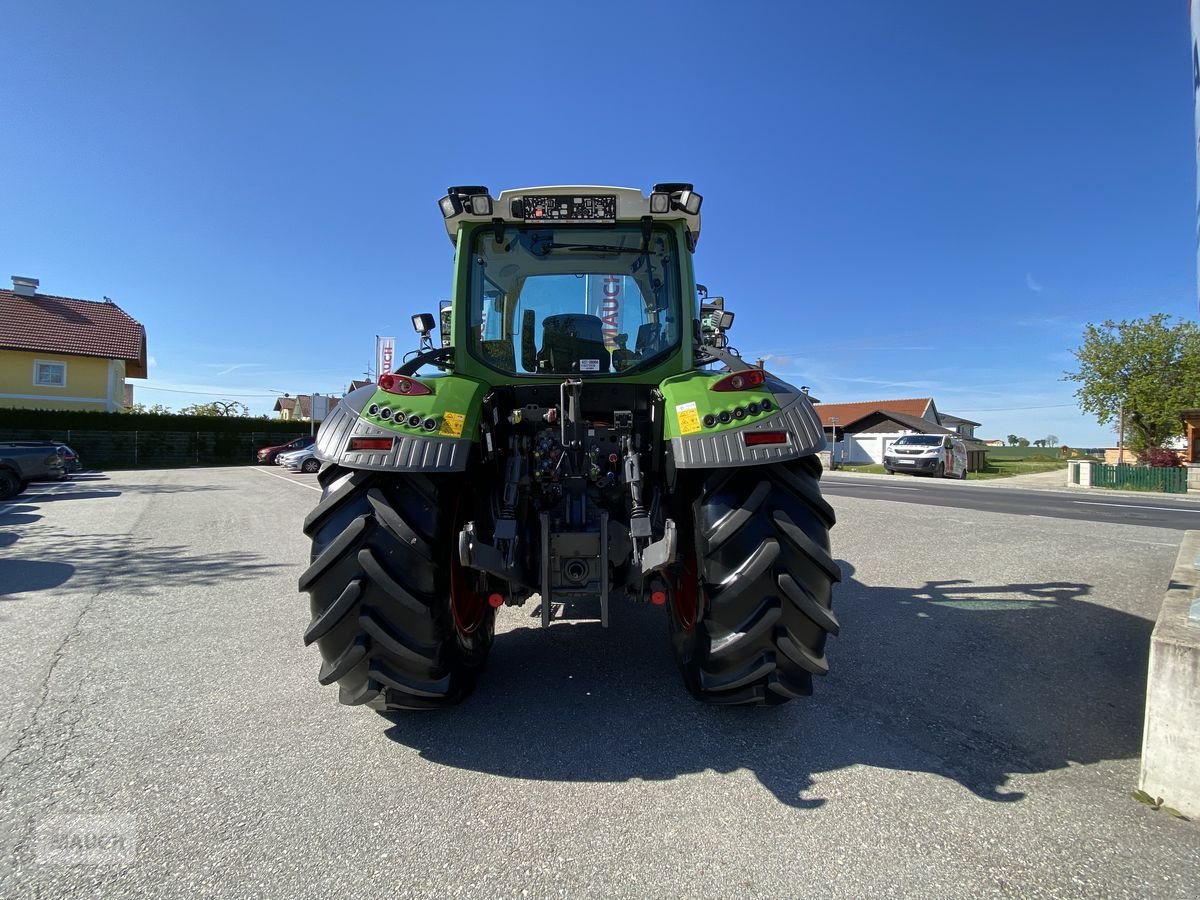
399,623
750,604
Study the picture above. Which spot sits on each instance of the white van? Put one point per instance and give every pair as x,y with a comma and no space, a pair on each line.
940,455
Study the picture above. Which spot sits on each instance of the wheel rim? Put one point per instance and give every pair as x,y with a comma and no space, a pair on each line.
685,599
467,606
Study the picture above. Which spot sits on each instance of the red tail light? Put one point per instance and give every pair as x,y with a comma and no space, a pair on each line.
403,385
741,381
757,438
367,443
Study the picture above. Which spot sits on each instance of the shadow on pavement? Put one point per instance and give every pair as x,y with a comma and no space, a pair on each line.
974,683
117,563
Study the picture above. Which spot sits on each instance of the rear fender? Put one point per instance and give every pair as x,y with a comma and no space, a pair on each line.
699,442
446,429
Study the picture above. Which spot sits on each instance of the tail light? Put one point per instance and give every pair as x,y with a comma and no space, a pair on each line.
403,385
741,381
758,438
370,443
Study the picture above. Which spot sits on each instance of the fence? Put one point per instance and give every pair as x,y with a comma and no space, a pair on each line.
1140,478
118,449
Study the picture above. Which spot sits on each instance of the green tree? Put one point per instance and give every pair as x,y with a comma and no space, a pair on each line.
1012,440
1052,440
156,410
1023,442
216,408
1150,365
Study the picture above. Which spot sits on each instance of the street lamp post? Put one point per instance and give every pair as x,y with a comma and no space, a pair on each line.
833,447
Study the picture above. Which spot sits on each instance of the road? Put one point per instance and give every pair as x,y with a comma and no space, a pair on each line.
164,735
1153,510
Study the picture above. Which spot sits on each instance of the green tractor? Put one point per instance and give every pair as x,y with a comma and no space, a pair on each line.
583,434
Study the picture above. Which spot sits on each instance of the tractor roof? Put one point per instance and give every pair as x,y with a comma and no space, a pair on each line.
571,204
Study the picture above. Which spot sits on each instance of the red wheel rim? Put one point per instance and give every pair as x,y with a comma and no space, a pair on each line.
468,606
686,596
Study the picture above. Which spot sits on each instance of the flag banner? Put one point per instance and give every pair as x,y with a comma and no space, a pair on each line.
610,297
385,352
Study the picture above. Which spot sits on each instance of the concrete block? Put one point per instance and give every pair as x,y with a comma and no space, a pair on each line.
1171,739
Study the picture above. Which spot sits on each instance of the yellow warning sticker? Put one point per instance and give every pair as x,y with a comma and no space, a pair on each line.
452,424
689,419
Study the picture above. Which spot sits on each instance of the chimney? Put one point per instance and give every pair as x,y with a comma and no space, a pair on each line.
26,287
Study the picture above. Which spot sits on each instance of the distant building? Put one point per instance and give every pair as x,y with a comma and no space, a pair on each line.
864,430
65,353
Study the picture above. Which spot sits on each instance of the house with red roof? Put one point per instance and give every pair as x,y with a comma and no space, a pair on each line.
66,353
861,432
300,407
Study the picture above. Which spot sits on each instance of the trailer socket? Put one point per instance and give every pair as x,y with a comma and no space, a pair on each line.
575,571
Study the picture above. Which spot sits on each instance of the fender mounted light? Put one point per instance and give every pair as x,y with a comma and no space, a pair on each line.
740,381
758,438
403,385
370,443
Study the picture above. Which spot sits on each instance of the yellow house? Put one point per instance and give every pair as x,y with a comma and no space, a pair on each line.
63,353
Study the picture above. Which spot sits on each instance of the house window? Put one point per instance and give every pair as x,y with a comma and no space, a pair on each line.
50,374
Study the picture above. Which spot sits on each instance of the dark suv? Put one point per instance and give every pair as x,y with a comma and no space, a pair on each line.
268,454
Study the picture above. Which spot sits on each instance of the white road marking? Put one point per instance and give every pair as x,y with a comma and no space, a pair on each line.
285,478
888,487
1133,506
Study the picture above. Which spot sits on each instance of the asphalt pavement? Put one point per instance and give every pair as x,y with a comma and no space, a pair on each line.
1025,495
164,735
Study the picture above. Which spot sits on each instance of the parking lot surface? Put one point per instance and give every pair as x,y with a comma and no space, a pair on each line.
163,733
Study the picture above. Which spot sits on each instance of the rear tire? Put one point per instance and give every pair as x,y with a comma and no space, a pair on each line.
399,623
10,485
750,606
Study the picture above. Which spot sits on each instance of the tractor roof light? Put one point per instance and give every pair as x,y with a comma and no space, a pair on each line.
450,205
403,385
481,205
741,381
689,201
660,203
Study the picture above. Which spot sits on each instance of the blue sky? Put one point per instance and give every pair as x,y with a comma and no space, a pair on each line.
917,199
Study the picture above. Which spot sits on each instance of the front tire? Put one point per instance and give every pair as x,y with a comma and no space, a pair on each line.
310,466
399,623
750,606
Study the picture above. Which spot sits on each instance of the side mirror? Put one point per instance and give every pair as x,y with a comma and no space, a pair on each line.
947,443
423,323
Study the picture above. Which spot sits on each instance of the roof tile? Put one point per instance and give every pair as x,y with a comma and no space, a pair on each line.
849,413
45,323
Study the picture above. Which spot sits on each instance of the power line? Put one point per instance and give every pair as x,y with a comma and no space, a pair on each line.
147,387
1019,408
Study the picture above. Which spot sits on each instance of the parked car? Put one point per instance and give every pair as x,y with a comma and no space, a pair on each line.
71,461
267,455
283,458
304,461
940,455
21,464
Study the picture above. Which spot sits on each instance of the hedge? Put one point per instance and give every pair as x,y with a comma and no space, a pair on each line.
123,440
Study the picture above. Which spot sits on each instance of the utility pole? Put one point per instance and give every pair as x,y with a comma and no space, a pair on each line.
1121,436
833,448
